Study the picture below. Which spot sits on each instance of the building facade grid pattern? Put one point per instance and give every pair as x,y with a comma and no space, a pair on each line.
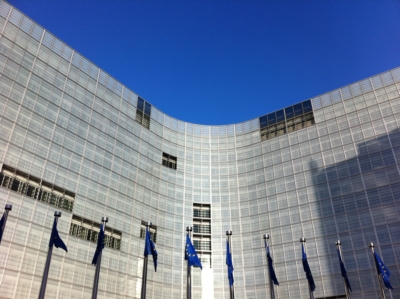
64,120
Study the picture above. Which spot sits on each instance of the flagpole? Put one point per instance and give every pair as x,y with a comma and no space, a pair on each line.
7,208
231,288
57,214
271,284
95,288
339,247
144,274
189,274
303,240
371,245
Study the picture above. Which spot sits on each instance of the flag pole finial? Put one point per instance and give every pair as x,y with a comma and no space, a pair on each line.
338,243
104,219
266,237
57,214
371,245
302,240
8,207
229,233
189,228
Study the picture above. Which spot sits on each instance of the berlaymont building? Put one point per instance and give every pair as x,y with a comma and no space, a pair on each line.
74,139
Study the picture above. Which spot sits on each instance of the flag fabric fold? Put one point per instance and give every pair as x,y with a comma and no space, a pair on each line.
270,266
55,238
100,245
191,254
150,248
2,225
344,272
383,271
307,269
229,263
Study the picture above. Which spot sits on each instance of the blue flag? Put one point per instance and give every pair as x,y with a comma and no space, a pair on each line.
307,269
229,263
2,226
150,248
191,255
383,271
55,238
344,272
270,266
100,245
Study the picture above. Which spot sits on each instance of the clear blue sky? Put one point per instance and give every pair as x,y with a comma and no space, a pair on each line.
226,61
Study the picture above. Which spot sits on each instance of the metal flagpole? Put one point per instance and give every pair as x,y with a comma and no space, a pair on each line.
271,284
144,274
189,272
7,208
231,288
47,266
339,247
98,265
371,245
303,240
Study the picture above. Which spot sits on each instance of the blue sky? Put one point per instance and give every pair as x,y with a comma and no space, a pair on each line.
227,61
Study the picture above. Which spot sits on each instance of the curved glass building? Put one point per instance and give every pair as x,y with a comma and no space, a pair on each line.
74,139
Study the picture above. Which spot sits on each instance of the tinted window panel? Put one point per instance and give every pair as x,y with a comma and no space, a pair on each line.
298,109
280,116
307,106
289,112
140,103
263,121
271,118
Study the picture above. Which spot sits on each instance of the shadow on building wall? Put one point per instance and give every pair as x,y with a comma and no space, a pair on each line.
359,202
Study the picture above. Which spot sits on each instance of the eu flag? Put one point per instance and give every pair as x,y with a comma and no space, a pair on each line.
383,271
55,238
229,263
270,266
191,255
150,248
307,269
344,272
100,245
2,225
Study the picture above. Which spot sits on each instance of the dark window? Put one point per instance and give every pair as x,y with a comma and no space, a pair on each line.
169,161
143,113
286,120
89,230
280,116
147,109
307,106
36,188
140,103
263,121
289,112
271,119
298,109
153,231
202,245
202,232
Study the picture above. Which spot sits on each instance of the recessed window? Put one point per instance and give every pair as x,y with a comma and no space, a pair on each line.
36,188
153,231
169,161
89,230
202,232
143,113
286,120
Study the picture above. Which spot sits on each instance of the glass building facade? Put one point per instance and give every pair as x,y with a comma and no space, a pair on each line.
74,139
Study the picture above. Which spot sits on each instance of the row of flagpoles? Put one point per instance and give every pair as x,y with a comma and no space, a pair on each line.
192,259
382,271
